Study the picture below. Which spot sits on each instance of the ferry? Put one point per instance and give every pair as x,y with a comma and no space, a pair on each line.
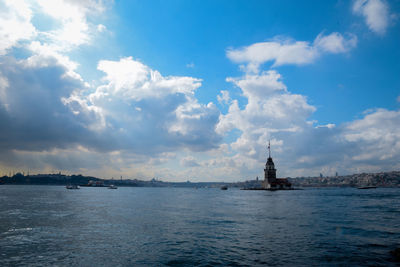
72,186
367,187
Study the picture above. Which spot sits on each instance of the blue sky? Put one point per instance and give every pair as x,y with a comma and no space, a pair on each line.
200,32
194,90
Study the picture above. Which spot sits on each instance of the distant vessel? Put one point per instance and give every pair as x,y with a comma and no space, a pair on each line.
224,187
367,187
112,186
72,186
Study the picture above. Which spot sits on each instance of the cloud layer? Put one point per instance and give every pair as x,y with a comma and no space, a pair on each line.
135,116
375,13
287,51
140,123
299,145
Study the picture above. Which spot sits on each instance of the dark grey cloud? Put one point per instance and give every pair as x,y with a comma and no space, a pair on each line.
44,108
32,116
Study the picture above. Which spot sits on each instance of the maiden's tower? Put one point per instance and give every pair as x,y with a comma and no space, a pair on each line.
270,181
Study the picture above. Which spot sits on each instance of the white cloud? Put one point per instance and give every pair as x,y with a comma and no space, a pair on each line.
151,112
270,110
375,13
129,123
280,52
335,43
329,126
135,80
70,29
260,85
375,139
287,51
224,98
15,24
379,125
3,89
269,105
44,55
75,29
300,146
133,118
101,28
189,162
49,115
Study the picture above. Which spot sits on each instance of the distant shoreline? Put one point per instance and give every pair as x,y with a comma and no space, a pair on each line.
382,179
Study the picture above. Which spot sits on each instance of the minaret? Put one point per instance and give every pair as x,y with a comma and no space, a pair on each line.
269,171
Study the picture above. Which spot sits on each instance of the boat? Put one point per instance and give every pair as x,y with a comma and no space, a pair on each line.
367,187
112,186
72,186
224,187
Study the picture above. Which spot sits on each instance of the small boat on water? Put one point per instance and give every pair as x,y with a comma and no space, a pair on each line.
74,186
224,187
367,187
112,186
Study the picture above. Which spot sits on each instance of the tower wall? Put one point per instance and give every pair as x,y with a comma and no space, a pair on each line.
269,172
270,175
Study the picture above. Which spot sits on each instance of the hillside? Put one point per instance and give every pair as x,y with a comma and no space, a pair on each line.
381,179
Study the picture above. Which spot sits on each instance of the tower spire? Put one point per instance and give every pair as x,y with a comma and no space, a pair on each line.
269,148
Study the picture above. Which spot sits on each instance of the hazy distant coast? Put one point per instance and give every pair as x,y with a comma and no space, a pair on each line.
62,179
382,179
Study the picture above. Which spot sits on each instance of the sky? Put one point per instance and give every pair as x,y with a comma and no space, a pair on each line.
195,90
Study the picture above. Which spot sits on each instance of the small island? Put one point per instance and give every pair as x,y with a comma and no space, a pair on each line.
270,181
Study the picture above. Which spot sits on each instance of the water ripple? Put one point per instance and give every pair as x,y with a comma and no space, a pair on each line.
51,226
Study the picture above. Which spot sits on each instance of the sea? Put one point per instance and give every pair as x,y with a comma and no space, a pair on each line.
137,226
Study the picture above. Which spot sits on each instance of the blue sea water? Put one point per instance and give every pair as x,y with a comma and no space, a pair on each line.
49,225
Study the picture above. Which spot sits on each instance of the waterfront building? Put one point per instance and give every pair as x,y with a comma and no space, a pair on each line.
270,180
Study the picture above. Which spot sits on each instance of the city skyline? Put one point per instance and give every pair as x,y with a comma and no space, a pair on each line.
194,90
